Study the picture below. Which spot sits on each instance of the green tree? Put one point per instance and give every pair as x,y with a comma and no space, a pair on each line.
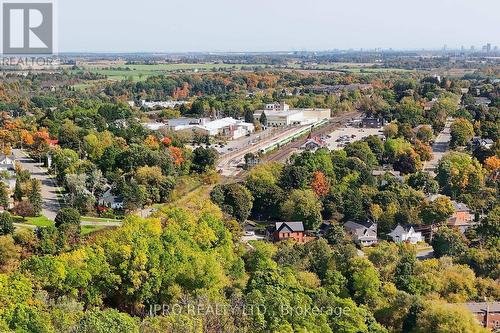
249,116
391,130
462,132
262,181
408,162
35,196
203,159
422,181
67,222
364,281
4,195
6,224
361,150
303,205
18,190
263,119
459,173
107,321
440,317
234,199
9,254
437,211
448,242
489,229
425,134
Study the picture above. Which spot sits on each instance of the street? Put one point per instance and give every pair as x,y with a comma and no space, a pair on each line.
49,186
440,147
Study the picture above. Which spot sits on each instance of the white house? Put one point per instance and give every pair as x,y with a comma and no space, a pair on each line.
7,162
406,235
109,200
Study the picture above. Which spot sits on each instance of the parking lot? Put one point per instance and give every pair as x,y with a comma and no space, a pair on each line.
345,135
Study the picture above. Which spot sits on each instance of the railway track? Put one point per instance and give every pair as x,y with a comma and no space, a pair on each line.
286,151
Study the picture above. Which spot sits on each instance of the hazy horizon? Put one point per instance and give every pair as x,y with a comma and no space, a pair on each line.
281,25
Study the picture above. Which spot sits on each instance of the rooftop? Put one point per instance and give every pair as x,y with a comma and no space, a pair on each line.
289,226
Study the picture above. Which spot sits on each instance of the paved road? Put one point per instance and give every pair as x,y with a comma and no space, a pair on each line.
440,147
425,254
49,186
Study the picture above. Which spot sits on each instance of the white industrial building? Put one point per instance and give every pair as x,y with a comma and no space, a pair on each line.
226,127
280,115
162,104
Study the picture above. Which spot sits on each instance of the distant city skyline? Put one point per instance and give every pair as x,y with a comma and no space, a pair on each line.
280,25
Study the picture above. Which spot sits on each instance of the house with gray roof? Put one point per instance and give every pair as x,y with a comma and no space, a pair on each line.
363,234
289,230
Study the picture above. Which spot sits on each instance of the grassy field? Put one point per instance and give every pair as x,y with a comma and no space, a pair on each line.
39,221
142,72
86,230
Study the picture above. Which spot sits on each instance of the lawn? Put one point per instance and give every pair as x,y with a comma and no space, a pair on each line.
39,221
86,230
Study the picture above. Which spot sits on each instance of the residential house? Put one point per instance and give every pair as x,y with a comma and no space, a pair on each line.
480,142
7,163
482,101
486,313
313,144
109,200
462,218
429,105
363,234
407,234
381,174
289,230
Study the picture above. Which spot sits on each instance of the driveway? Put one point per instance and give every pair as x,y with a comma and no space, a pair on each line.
49,186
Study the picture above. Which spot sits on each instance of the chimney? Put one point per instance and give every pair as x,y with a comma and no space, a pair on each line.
487,315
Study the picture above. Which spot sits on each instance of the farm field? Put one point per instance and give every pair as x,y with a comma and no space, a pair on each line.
141,72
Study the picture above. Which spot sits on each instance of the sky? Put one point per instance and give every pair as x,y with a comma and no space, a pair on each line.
273,25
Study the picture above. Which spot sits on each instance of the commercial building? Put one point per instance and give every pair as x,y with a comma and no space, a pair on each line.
162,104
281,115
229,128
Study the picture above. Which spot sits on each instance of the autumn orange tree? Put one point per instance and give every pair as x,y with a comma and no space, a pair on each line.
320,184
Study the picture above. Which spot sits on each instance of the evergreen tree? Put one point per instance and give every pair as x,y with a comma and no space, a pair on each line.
18,191
263,119
35,196
4,195
6,225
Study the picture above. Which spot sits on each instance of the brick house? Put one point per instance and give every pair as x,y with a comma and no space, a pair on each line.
289,230
486,313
